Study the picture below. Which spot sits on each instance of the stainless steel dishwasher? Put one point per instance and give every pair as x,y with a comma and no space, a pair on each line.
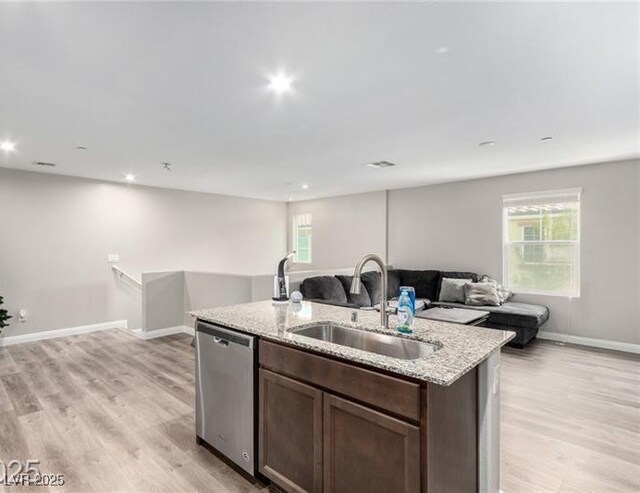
226,392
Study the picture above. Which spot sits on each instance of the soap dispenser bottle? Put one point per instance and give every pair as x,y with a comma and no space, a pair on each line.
405,313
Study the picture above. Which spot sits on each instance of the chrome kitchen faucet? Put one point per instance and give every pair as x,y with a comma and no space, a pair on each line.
355,285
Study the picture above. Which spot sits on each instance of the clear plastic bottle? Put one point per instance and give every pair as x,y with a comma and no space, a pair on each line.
405,313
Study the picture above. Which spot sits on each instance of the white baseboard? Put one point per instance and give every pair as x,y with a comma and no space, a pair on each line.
53,334
586,341
168,331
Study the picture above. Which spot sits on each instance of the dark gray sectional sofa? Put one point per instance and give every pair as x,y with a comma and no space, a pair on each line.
522,318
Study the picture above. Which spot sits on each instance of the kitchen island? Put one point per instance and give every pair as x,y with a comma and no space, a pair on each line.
335,418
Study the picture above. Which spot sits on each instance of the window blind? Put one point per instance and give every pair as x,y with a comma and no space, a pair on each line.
567,195
301,220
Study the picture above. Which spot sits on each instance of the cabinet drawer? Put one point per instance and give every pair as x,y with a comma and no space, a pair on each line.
382,391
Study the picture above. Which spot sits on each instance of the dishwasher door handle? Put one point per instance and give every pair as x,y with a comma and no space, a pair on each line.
224,336
219,340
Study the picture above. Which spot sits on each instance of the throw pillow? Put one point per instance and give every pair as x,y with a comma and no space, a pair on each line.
454,274
503,293
452,290
480,294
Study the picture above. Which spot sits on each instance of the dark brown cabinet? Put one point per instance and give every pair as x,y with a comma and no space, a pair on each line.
290,439
365,450
328,425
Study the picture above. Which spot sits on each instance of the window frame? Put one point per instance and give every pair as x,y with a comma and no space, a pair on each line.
295,227
548,196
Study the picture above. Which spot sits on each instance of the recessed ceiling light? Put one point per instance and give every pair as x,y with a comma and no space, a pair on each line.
546,138
280,83
7,146
487,143
381,164
441,50
305,186
130,178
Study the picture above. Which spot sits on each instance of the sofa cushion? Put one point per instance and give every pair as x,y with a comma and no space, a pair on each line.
509,314
425,282
326,288
361,299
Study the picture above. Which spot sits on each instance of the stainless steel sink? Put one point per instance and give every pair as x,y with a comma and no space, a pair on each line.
387,345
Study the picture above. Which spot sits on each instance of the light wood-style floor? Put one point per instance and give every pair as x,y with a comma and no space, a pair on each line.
111,412
570,420
114,413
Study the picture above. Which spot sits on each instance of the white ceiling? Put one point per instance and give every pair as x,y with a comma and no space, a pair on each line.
142,83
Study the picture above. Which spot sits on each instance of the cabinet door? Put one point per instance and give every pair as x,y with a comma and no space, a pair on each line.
290,422
367,451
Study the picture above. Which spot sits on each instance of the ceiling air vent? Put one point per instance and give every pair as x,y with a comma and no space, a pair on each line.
381,164
44,163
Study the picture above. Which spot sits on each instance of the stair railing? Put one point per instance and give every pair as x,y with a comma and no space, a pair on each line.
123,275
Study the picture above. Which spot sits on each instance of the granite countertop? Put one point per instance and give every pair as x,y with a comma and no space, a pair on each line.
463,347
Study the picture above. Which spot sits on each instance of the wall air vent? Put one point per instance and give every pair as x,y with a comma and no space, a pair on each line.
44,163
381,164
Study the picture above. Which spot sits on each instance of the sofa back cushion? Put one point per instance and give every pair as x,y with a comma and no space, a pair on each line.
372,280
326,288
394,283
425,282
361,299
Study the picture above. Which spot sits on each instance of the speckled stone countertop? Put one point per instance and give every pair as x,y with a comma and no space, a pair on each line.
463,347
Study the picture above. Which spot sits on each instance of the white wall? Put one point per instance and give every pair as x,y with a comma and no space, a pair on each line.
57,232
344,229
461,229
168,297
638,243
458,226
206,290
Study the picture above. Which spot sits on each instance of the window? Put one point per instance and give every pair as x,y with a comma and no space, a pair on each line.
301,238
541,233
